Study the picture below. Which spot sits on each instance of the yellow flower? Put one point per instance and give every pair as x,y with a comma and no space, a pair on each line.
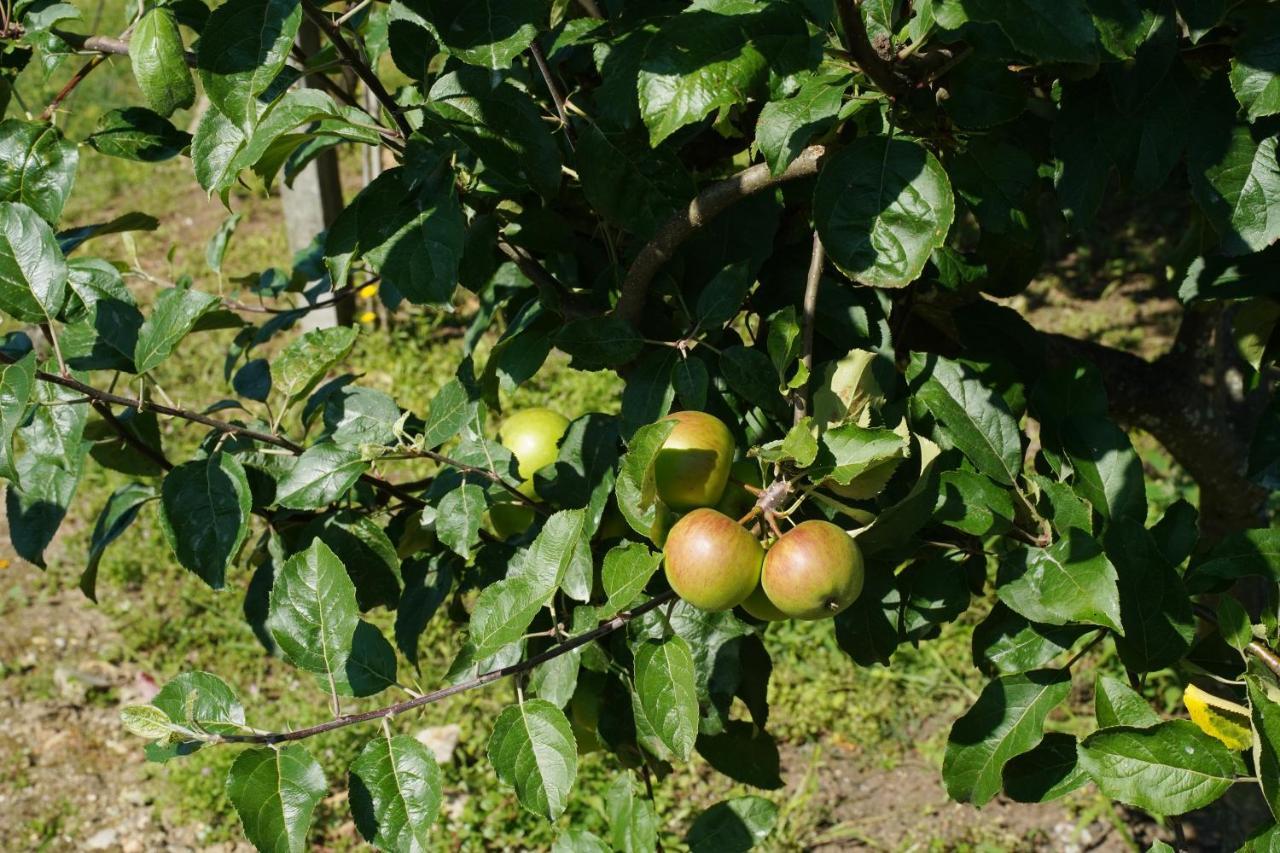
369,291
368,317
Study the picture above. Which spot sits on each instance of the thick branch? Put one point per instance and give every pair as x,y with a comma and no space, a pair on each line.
603,629
1168,401
708,204
358,64
864,53
106,45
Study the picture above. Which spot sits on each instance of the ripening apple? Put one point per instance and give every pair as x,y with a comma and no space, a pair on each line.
533,437
693,466
711,561
813,571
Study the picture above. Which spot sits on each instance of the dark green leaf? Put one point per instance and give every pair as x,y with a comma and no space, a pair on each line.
37,166
1008,643
744,753
120,511
320,476
1070,581
135,133
1116,704
733,826
1005,722
174,315
17,386
786,127
983,94
395,793
628,183
882,205
490,33
243,47
33,273
1046,30
1168,769
1154,608
636,487
160,63
204,512
1047,772
599,343
364,548
275,790
750,375
1264,711
627,568
533,750
974,504
1255,77
1242,554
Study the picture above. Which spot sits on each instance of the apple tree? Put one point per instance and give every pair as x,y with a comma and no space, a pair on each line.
809,220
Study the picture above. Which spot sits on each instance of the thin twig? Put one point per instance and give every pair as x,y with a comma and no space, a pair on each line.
358,64
340,295
490,475
76,79
384,486
603,629
1261,651
708,204
129,436
557,97
810,308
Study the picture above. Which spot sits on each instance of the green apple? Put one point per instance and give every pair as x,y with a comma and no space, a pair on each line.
533,437
693,466
813,571
759,606
711,561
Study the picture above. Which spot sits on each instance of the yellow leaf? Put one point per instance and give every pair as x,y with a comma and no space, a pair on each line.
1219,718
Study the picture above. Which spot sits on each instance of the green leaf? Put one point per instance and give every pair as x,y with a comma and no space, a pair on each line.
355,417
160,63
882,205
501,125
321,475
637,487
1155,611
533,750
275,791
504,609
314,621
556,679
1244,553
599,343
33,273
1264,712
732,826
1168,769
451,408
489,33
1046,30
973,504
136,133
174,315
573,840
410,231
214,146
243,47
713,55
201,702
1254,77
306,360
1048,772
37,167
49,470
396,793
1070,581
1234,624
633,826
1235,178
1008,643
849,451
750,375
668,694
364,548
146,721
1006,721
204,512
975,418
1108,473
983,94
628,183
626,570
17,386
458,517
1117,704
120,511
786,127
744,753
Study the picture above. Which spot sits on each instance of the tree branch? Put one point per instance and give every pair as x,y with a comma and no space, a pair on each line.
491,476
708,204
557,97
339,295
603,629
358,64
99,396
810,309
859,44
129,436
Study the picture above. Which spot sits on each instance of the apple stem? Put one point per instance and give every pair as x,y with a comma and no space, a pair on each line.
747,487
771,518
755,510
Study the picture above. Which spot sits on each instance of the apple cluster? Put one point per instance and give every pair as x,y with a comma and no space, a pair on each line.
812,571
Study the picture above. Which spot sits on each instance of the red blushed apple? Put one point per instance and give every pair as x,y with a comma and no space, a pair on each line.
711,561
692,468
813,571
